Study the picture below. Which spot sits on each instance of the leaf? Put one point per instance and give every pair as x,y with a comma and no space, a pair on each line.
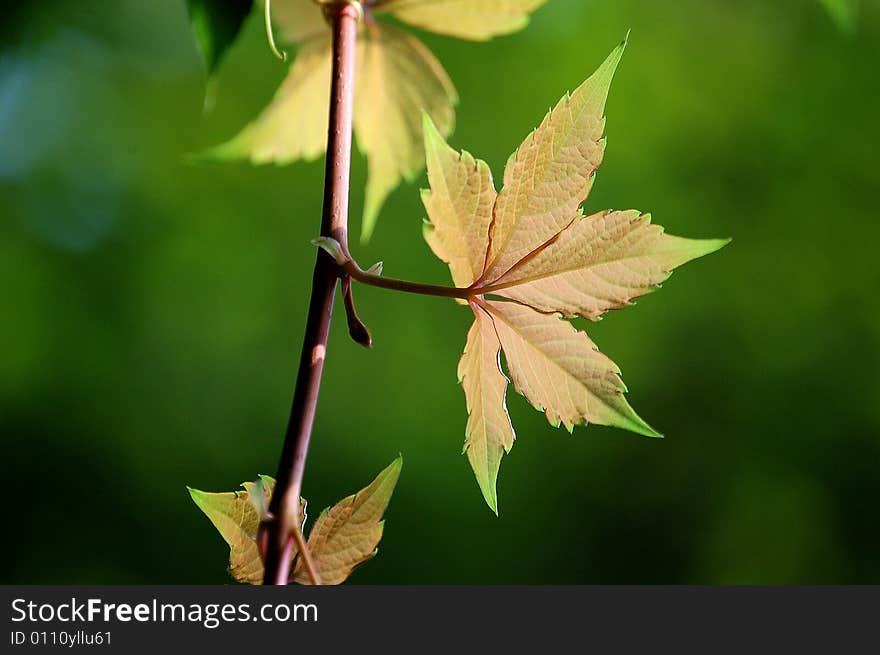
460,203
298,20
560,370
346,535
599,263
397,79
551,174
545,258
489,431
294,125
235,516
478,20
216,24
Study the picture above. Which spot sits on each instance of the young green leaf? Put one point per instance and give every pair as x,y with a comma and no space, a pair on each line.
235,516
397,78
216,24
532,246
346,535
560,370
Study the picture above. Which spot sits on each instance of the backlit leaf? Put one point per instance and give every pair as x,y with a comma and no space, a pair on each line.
546,259
236,519
598,263
294,125
551,174
298,20
398,78
478,20
560,370
459,205
489,431
346,535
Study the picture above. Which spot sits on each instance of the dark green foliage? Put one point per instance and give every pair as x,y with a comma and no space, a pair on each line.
216,24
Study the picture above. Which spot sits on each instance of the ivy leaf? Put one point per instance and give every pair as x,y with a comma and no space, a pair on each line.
216,24
346,535
477,20
532,246
235,516
342,538
397,78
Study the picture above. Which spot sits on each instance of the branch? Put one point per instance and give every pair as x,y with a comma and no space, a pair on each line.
284,507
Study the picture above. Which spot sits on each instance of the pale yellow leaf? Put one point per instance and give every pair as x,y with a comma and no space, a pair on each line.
298,20
560,370
346,535
235,516
551,174
294,125
459,205
489,431
478,20
598,263
398,78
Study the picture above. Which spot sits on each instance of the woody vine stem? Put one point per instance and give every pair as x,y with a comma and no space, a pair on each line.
280,533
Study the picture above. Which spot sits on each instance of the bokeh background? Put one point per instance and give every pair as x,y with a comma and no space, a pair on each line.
152,310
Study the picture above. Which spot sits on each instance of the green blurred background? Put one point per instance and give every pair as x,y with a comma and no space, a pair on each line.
152,311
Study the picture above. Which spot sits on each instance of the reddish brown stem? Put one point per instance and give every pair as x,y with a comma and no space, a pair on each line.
285,505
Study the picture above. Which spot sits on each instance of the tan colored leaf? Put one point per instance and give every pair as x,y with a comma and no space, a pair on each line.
298,20
398,78
294,125
489,431
346,535
599,263
560,370
547,259
551,174
235,516
478,20
459,205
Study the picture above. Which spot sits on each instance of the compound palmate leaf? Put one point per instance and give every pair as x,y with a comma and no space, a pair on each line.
532,248
344,536
397,78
